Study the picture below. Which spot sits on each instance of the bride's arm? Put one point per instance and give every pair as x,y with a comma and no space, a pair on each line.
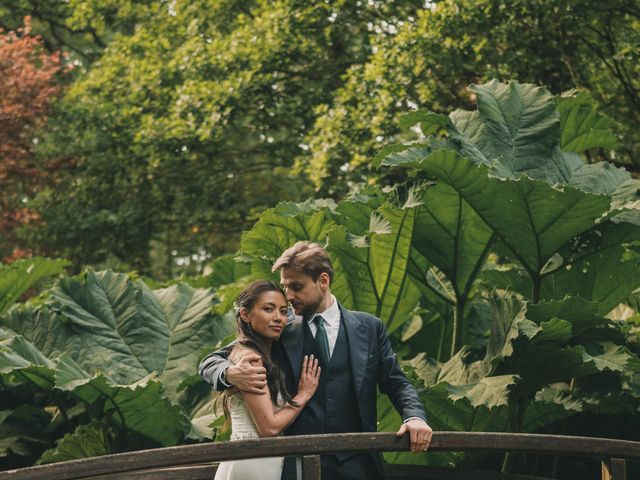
270,423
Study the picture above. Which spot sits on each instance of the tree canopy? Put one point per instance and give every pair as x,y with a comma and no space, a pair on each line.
186,119
187,127
433,56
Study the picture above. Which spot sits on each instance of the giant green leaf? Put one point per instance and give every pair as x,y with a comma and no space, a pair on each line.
443,414
516,125
203,416
489,392
142,406
550,405
465,380
437,292
451,235
102,325
187,314
86,441
21,358
18,352
353,285
226,269
284,225
371,271
21,428
105,307
521,129
605,178
116,320
611,357
42,327
17,278
543,344
596,267
581,314
389,253
583,127
508,312
532,218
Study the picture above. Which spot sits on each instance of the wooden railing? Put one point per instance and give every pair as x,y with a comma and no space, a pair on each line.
194,462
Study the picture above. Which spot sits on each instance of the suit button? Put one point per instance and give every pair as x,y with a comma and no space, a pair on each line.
331,418
330,399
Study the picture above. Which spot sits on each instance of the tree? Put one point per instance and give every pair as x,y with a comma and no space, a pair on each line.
81,28
432,58
186,127
191,120
28,81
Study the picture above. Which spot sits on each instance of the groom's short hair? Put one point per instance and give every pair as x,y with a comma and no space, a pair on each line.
307,257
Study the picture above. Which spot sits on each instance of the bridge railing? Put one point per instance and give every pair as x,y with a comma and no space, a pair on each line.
195,462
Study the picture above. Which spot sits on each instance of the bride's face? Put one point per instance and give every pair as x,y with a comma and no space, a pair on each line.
268,317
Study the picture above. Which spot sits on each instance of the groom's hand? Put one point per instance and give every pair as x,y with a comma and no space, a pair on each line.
419,433
248,374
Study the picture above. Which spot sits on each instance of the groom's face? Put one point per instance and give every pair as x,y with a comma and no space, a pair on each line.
303,293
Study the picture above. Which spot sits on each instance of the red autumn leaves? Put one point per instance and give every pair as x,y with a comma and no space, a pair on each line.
28,83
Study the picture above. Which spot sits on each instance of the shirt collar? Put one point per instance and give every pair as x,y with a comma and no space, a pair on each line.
331,315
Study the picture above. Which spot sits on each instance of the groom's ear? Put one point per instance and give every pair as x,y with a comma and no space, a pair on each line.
324,280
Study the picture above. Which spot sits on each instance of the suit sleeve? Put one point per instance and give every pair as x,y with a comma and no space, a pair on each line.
393,382
213,366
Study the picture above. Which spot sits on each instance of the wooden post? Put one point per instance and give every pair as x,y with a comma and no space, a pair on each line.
311,467
614,469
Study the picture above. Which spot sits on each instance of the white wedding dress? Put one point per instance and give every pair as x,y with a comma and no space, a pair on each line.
243,428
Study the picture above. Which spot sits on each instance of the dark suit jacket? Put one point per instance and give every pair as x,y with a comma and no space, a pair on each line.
372,360
373,363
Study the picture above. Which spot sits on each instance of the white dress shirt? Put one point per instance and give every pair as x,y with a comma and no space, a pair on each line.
331,323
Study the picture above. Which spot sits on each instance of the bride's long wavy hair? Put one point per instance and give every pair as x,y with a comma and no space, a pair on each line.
246,300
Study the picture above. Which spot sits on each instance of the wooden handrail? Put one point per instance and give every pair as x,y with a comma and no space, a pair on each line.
325,444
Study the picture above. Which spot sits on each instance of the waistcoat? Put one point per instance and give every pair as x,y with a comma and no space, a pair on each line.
334,407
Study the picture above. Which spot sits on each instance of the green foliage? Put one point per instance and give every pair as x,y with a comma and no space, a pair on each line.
86,441
372,269
20,276
185,128
548,226
503,241
369,242
518,386
449,44
583,128
115,353
510,153
51,22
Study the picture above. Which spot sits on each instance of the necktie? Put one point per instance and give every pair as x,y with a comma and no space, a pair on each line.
322,341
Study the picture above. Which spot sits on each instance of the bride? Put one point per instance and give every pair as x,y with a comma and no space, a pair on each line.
261,313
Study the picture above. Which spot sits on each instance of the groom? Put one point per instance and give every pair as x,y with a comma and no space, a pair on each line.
355,355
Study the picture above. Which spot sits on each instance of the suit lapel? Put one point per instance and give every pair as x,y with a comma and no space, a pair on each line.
358,338
292,342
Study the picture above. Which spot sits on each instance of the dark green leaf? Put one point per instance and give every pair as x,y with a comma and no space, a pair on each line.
17,278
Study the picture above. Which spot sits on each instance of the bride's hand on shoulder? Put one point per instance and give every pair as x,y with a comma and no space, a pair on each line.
309,379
